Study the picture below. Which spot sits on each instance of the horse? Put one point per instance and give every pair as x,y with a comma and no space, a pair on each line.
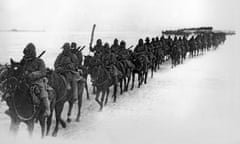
58,83
127,75
141,68
21,98
125,67
101,79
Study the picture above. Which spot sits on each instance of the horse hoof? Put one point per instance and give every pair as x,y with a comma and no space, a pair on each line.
64,125
54,134
69,120
77,120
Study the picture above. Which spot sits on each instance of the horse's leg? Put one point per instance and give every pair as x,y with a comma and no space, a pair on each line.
128,81
115,93
42,124
14,126
49,122
125,83
102,99
30,127
62,122
152,71
58,112
86,88
133,79
57,123
69,111
145,78
121,85
80,95
106,99
139,79
97,97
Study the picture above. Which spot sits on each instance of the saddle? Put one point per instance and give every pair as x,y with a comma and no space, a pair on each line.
35,92
74,75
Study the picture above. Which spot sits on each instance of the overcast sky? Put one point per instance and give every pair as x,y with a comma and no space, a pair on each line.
117,15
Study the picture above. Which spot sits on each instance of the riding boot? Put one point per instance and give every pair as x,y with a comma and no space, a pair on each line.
67,80
46,104
75,90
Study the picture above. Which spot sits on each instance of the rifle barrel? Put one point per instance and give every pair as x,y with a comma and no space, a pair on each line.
42,54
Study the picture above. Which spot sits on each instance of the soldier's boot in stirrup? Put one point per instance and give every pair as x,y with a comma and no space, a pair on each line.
46,104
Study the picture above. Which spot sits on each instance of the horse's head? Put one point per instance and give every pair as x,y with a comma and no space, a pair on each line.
12,78
94,73
15,69
87,60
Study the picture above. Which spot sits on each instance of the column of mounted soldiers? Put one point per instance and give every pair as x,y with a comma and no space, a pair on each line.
109,66
116,65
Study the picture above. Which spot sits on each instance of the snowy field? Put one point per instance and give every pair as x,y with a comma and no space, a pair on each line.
195,103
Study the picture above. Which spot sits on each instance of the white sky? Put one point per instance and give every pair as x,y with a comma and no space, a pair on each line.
117,15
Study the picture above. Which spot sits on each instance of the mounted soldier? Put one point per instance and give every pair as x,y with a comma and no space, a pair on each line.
141,49
66,64
35,71
109,60
97,49
115,46
192,46
124,54
78,53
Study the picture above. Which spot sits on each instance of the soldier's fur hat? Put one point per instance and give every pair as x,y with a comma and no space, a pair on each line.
29,51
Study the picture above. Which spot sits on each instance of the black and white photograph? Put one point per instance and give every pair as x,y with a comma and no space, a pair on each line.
119,72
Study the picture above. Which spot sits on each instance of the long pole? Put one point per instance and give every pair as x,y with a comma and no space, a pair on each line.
92,36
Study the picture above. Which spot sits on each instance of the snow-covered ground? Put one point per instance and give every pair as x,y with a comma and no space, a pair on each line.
197,102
